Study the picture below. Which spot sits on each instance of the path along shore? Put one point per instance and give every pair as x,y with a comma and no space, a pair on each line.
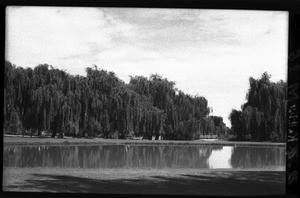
19,140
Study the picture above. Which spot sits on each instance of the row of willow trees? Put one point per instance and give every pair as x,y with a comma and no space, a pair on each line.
263,116
101,105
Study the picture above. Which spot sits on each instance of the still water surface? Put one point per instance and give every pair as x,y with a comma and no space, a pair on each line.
144,156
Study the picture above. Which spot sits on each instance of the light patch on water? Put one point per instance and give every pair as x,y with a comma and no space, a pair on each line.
220,158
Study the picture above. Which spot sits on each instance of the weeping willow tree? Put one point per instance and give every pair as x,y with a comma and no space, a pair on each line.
184,116
263,116
45,99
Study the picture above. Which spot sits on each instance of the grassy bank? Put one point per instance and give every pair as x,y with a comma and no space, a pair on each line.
15,140
145,181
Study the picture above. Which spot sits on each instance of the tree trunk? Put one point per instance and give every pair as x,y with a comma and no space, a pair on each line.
156,136
39,132
61,134
53,134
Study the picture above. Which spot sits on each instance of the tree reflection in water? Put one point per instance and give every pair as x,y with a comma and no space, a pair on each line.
143,156
259,157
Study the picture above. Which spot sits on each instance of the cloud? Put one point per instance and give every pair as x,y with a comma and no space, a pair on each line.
54,35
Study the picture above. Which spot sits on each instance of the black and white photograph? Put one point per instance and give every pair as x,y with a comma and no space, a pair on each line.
120,100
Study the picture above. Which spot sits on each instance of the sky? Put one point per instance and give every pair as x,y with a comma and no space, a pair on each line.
210,53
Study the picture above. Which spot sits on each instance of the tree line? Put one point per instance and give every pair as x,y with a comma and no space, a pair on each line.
263,116
101,105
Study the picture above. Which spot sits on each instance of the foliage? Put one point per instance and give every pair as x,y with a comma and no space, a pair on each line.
263,116
101,105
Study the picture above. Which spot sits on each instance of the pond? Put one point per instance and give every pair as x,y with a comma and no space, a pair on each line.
146,156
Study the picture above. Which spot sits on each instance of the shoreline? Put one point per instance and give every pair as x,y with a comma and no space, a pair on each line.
144,181
31,141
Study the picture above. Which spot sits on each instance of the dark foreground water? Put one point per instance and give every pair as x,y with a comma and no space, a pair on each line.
137,156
